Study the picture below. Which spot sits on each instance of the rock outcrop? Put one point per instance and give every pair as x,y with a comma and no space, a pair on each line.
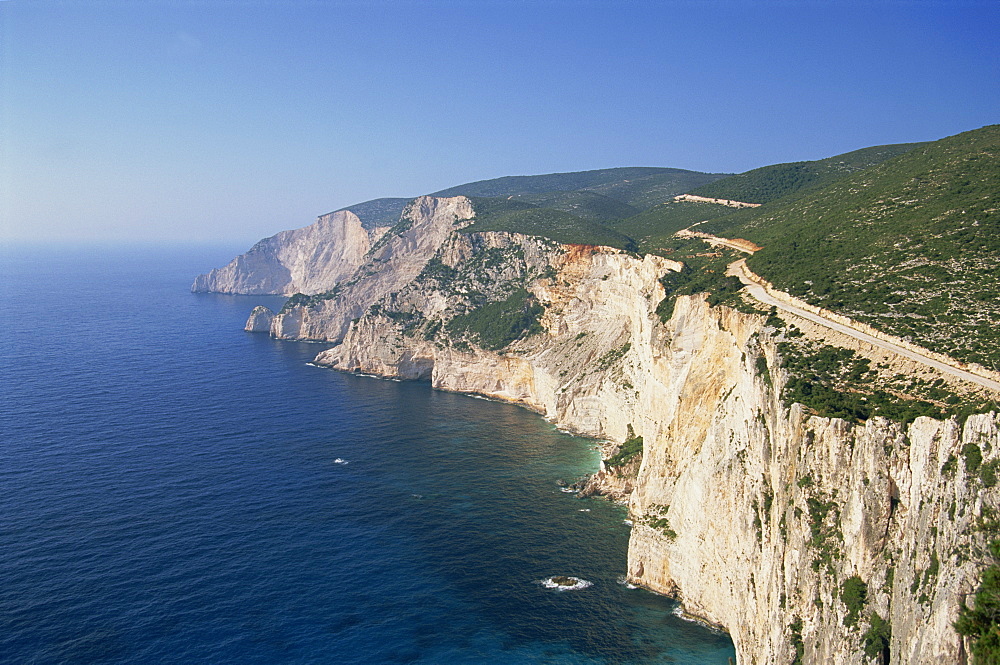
796,533
309,260
390,264
260,319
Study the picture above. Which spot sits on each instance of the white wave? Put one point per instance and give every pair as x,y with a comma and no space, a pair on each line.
340,460
568,490
584,510
565,583
628,522
625,583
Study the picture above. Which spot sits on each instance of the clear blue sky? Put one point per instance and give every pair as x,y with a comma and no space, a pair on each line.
212,120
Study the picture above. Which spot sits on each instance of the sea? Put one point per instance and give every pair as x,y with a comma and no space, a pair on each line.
175,490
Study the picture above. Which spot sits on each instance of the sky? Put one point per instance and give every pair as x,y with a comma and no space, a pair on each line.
228,121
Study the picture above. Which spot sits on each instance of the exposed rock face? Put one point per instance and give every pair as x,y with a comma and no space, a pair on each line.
391,264
756,515
260,319
772,510
312,259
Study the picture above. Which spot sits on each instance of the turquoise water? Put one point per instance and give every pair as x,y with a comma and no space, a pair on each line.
175,490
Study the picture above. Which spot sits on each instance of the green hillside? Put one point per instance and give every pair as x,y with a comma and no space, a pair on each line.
769,183
582,203
591,196
518,217
626,184
581,207
911,246
653,228
647,191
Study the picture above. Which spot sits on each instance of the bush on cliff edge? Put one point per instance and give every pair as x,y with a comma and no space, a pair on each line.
982,621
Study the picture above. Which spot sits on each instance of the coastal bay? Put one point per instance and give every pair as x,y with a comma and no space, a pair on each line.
177,490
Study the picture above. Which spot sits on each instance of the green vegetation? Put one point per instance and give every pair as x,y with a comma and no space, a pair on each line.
837,383
546,222
973,455
629,450
770,183
854,593
910,246
760,365
610,358
636,186
825,534
497,324
981,622
303,300
653,229
583,208
795,628
988,473
587,205
703,272
656,518
877,638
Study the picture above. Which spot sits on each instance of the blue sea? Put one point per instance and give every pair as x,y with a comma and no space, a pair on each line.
174,490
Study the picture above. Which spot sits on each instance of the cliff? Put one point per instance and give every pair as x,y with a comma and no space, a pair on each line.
768,521
260,319
312,259
389,265
800,535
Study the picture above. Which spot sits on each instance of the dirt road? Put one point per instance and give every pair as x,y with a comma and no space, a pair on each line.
756,290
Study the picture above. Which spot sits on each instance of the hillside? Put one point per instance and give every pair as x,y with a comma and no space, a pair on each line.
570,205
769,183
631,185
580,208
910,246
516,216
652,229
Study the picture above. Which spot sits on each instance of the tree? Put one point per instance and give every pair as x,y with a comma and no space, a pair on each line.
982,621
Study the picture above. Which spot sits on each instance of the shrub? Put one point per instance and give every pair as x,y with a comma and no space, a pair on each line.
981,622
877,638
631,447
854,593
497,324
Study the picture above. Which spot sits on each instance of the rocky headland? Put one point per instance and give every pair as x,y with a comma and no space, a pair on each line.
809,539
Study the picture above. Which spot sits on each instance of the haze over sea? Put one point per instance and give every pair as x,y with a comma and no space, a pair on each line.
174,490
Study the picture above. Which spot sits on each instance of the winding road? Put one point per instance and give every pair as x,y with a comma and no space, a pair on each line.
757,290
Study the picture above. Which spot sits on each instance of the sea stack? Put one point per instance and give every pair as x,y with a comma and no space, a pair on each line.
260,320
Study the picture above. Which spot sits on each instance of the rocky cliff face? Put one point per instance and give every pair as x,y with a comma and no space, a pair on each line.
767,521
391,264
312,259
260,319
796,533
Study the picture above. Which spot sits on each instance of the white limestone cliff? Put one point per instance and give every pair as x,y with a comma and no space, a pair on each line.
309,260
753,513
260,319
390,265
